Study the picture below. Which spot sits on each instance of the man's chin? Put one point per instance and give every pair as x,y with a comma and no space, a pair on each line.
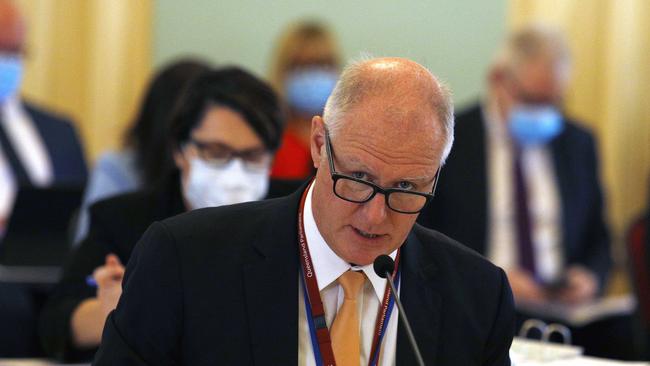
363,259
361,251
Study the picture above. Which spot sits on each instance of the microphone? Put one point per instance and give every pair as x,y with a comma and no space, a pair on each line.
383,267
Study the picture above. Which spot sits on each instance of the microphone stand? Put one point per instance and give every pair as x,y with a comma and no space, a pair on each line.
404,320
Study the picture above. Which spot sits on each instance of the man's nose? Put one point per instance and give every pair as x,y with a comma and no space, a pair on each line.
375,210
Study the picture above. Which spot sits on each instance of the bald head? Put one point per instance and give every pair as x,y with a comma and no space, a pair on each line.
390,125
535,44
532,68
397,87
12,28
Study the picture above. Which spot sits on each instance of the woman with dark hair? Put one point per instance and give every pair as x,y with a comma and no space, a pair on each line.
142,161
222,137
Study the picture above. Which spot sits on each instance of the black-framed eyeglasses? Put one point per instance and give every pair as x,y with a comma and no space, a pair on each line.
357,190
220,154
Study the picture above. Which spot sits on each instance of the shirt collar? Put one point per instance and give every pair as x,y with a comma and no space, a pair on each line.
327,265
12,109
494,124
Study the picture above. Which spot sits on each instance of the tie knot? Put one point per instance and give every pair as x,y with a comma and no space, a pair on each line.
351,282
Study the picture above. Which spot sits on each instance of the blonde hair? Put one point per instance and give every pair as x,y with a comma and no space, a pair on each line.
300,38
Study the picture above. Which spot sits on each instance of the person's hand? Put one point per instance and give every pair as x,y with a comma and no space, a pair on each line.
109,283
525,288
581,286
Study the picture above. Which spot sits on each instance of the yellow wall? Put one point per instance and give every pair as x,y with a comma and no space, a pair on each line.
89,60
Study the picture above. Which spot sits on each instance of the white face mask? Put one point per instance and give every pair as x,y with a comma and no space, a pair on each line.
210,186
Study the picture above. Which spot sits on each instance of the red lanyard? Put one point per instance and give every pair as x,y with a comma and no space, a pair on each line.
316,309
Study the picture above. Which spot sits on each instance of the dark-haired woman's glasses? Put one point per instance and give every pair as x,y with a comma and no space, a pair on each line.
220,154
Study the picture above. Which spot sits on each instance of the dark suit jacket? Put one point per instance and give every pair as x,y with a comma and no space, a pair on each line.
460,208
62,146
219,286
647,240
19,304
116,225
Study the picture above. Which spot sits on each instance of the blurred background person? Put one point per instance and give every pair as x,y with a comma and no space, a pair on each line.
304,71
638,248
143,160
222,136
522,186
646,290
37,149
518,164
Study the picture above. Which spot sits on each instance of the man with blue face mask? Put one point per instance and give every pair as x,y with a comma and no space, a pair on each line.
37,149
521,185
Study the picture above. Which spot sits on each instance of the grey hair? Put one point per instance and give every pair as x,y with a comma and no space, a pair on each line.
352,87
531,42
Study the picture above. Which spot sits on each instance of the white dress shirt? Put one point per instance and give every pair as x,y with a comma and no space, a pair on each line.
543,201
328,267
29,148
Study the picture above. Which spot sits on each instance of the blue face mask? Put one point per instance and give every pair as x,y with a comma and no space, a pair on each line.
11,73
307,89
533,125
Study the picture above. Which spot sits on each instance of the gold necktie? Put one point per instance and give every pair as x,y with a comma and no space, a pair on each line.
345,329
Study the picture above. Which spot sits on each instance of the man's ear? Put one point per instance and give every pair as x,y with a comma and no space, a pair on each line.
496,75
317,140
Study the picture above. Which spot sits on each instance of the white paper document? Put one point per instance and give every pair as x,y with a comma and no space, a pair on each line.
525,352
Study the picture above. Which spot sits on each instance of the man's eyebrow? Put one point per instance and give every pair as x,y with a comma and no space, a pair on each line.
361,166
423,179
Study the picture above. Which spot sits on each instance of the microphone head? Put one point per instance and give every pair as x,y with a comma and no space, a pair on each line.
383,264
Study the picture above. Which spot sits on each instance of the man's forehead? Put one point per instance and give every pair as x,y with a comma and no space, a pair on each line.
392,134
390,115
12,27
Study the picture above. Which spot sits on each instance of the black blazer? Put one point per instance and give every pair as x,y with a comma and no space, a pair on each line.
19,304
116,225
219,286
460,208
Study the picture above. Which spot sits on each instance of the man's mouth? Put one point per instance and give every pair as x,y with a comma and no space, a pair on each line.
366,234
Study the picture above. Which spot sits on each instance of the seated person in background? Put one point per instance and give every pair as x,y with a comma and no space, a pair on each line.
223,286
645,291
304,70
37,149
223,134
142,161
522,184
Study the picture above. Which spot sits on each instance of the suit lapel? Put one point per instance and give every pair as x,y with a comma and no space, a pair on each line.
271,290
48,136
480,166
420,297
563,178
